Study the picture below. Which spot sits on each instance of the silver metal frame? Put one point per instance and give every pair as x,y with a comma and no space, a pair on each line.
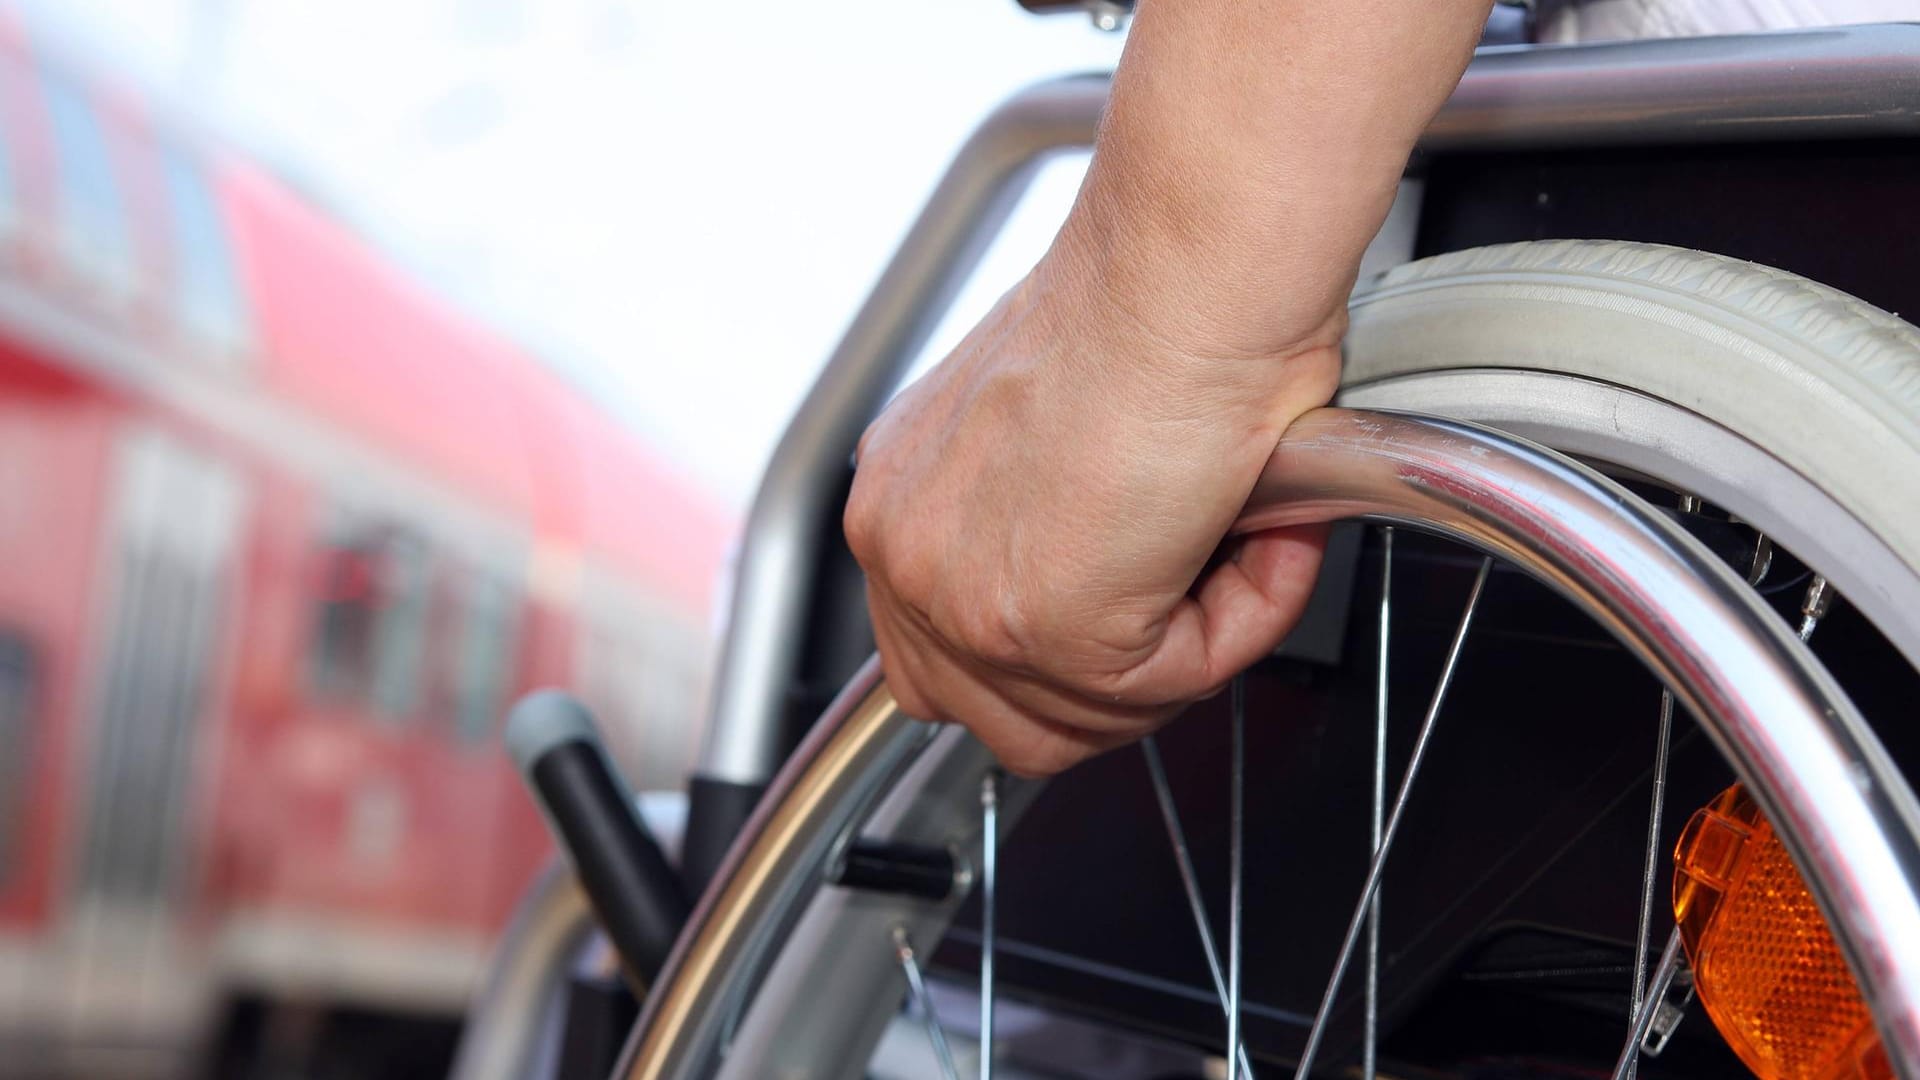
506,1024
1843,83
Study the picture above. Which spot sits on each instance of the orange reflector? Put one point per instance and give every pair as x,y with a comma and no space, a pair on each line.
1765,965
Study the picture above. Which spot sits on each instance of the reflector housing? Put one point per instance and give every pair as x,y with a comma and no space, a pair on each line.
1765,966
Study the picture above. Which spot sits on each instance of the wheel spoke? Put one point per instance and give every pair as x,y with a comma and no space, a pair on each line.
1814,606
917,987
1369,1061
989,843
1367,891
1236,858
1646,999
1189,880
1762,559
1650,872
1656,993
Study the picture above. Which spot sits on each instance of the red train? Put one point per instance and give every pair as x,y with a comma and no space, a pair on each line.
280,535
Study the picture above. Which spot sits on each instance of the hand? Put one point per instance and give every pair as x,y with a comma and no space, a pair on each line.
1041,520
1041,516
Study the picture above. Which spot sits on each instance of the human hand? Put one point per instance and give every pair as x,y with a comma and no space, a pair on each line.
1041,516
1041,521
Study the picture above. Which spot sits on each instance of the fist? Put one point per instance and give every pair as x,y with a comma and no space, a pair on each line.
1043,518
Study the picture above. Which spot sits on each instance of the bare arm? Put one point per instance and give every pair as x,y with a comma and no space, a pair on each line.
1038,516
1251,150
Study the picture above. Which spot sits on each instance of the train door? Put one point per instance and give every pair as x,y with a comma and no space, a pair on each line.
173,531
54,443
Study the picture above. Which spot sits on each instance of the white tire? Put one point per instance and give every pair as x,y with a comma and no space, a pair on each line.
1822,389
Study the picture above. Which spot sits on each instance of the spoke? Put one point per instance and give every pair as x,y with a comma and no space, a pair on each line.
989,842
1189,880
1814,606
1369,1047
1646,1000
1642,941
1372,885
1236,858
917,986
1656,993
1762,559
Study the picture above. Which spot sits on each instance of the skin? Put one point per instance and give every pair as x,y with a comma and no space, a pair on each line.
1041,517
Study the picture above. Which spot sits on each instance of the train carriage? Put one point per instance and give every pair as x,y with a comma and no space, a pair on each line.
280,534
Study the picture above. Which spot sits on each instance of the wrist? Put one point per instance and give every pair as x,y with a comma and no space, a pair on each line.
1183,359
1188,286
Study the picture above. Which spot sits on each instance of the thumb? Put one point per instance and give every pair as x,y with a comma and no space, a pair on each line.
1238,612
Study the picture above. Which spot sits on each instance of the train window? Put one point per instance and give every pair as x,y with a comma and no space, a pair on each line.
349,603
400,629
373,615
483,665
207,297
16,741
94,233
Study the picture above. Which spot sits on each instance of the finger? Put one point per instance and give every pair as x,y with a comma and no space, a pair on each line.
1065,707
1240,612
1026,744
900,660
935,685
1036,695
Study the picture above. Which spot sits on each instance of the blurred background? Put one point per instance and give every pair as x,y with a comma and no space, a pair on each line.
362,365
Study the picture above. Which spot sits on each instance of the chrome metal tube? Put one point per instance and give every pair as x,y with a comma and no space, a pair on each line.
1841,83
529,967
832,780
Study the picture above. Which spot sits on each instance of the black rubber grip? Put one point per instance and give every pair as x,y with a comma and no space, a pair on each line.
632,887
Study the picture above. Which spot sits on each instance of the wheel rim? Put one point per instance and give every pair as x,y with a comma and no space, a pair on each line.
1606,423
1761,695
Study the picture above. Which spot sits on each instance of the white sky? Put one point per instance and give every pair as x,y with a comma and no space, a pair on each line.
679,203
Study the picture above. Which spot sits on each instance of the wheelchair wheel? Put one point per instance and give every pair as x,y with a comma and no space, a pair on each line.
1777,421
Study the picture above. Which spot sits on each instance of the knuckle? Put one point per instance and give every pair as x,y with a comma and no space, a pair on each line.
1000,630
912,572
860,522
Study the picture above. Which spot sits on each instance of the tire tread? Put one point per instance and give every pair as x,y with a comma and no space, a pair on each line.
1875,347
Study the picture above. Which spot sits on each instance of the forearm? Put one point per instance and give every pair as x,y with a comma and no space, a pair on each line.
1250,151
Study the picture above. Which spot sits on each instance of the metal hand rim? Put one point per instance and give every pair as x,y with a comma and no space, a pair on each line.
1849,817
